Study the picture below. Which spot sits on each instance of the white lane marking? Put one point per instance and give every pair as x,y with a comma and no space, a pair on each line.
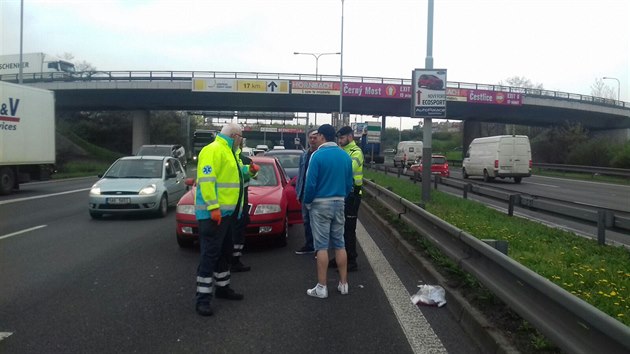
22,231
542,184
42,196
417,330
4,335
581,181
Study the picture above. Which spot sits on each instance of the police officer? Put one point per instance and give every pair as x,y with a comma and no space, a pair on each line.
345,138
218,203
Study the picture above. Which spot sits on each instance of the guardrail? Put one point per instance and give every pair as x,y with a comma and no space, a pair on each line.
157,75
602,217
571,323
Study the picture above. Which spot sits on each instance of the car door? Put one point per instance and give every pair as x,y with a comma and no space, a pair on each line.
294,208
174,180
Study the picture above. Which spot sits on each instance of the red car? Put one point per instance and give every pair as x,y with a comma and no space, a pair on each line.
430,81
273,206
439,166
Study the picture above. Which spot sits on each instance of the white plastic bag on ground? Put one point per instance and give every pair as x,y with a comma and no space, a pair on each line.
431,295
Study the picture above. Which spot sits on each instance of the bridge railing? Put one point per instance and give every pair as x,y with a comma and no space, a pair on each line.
161,75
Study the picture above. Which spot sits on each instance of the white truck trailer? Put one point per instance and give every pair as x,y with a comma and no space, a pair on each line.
34,63
27,135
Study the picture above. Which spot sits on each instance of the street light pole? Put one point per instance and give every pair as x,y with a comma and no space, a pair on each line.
618,86
341,71
21,72
316,56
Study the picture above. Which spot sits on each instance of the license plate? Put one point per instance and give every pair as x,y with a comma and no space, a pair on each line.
118,200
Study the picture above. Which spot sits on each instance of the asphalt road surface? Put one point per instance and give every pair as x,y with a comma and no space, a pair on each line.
70,284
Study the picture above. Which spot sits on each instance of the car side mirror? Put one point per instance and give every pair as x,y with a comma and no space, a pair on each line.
293,181
171,175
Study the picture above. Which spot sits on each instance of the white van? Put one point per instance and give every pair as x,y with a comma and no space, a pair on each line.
499,156
409,151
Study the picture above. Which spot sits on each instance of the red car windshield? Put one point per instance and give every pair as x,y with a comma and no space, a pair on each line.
266,176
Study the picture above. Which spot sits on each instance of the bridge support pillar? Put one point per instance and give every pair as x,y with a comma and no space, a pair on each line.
141,131
472,129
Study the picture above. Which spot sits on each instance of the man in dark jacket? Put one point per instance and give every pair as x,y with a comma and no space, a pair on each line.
304,160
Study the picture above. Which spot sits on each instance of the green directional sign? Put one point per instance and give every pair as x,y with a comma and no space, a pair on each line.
374,132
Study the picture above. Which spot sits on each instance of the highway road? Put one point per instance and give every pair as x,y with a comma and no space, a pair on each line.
70,284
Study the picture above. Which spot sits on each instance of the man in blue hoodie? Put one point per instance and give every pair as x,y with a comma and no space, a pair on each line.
328,182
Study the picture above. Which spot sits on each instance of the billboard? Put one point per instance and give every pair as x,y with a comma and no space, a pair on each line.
362,89
429,93
351,89
484,96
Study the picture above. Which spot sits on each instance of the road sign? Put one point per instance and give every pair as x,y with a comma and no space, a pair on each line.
243,86
429,93
373,132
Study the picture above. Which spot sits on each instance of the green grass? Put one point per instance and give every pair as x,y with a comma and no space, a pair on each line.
599,275
98,161
81,169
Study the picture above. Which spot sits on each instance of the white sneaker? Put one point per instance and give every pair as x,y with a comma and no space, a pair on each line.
318,291
343,288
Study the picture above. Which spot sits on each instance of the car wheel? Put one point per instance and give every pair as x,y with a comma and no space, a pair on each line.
518,179
281,241
7,180
184,242
96,215
486,176
464,174
163,208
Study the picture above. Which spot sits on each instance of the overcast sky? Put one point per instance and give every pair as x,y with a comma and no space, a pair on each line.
562,44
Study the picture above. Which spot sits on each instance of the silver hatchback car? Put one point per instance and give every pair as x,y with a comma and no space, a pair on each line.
137,184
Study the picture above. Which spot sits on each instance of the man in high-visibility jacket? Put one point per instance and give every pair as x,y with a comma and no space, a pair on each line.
345,138
218,204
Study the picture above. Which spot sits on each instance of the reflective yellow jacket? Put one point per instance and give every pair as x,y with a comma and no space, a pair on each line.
356,155
219,179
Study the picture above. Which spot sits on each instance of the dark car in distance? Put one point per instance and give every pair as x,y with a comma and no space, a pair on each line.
175,150
289,160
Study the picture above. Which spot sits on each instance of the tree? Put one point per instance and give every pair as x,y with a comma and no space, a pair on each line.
600,89
520,81
79,66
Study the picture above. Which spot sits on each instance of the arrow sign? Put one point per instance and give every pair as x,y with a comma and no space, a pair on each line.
272,85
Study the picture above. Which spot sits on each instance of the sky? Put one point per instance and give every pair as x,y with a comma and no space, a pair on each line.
565,45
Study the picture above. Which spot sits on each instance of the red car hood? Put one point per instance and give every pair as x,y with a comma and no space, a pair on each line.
256,195
188,198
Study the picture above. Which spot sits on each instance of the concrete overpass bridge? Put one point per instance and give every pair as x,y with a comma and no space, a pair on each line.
142,91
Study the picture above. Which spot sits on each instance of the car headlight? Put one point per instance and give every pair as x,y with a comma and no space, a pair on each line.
267,209
150,189
95,190
186,209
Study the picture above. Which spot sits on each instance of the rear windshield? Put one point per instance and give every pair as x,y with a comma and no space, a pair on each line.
438,160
